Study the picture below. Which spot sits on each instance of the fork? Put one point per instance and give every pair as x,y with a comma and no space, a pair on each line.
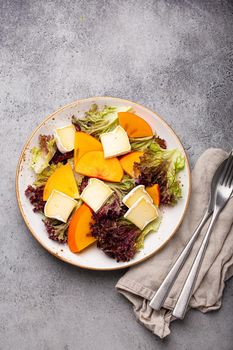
158,300
223,193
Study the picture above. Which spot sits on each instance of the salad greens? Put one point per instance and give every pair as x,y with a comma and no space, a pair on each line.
115,235
42,155
98,121
57,230
143,143
42,177
151,227
123,187
161,166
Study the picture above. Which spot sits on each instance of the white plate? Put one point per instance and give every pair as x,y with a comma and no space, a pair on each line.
94,258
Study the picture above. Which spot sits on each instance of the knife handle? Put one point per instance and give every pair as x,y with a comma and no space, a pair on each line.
158,300
186,292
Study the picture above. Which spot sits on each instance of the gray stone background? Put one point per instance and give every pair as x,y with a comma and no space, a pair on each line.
175,57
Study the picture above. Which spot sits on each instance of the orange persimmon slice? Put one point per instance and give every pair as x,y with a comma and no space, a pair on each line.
79,232
154,192
134,125
62,180
127,162
85,143
93,164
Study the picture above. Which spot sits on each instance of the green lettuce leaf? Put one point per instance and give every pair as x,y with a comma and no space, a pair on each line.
41,156
98,121
153,226
141,143
144,143
123,187
42,178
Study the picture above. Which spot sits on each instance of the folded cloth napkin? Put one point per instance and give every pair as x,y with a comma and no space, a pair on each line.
140,283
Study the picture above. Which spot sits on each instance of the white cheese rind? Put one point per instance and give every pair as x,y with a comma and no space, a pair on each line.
95,194
115,143
136,193
65,138
59,206
141,213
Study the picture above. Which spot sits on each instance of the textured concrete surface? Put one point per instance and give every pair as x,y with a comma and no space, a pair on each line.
175,57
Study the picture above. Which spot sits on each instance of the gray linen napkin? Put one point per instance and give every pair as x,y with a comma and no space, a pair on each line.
140,283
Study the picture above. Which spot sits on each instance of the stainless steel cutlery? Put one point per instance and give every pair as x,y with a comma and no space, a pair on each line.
221,191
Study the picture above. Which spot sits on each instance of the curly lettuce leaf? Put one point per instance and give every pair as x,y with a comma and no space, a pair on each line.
98,121
123,187
41,156
35,196
161,166
141,143
57,230
144,143
153,226
42,178
115,237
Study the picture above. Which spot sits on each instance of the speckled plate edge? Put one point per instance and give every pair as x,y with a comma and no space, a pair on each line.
22,157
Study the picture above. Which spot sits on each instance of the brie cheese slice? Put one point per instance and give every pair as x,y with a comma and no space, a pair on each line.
59,206
136,193
141,213
65,138
115,143
95,194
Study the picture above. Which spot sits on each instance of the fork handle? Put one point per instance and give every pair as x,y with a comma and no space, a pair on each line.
161,294
186,292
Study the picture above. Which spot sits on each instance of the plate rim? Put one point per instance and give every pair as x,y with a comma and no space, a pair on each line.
21,158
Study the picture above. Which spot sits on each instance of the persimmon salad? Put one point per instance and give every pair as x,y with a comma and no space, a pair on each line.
103,179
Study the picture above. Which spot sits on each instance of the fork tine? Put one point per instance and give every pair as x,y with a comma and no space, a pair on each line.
229,175
225,170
